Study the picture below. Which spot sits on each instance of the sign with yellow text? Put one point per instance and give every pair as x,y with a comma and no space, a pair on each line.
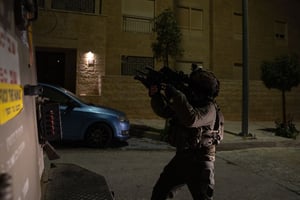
11,96
11,102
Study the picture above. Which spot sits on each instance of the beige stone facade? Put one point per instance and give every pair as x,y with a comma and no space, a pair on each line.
273,30
264,104
212,37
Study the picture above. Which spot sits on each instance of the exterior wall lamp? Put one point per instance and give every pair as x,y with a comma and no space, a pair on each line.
90,57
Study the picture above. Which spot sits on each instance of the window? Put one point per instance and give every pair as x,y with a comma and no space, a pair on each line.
138,15
196,18
137,24
237,23
132,64
55,96
280,30
183,17
87,6
190,18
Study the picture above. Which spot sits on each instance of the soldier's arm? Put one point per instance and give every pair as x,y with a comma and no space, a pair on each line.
190,116
160,106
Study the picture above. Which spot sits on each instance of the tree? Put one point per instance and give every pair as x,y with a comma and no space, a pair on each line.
283,74
168,37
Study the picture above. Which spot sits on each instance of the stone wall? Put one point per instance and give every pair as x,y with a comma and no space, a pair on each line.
81,32
129,95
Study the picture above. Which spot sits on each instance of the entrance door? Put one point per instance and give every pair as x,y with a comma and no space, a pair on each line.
57,66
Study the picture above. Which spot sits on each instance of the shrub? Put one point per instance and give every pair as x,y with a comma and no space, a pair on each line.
287,130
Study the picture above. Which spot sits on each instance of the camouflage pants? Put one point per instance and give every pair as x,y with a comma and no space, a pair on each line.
186,168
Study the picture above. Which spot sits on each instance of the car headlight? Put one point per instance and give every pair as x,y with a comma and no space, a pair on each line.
123,118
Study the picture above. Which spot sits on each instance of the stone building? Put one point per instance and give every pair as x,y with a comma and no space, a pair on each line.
94,47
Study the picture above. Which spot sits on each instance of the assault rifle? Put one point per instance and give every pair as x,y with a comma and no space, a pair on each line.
165,75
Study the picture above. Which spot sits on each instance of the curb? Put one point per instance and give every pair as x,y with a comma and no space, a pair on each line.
257,144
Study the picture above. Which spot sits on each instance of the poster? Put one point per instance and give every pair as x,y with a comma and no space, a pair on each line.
11,96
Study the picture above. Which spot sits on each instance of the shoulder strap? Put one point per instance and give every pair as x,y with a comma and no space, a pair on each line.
217,123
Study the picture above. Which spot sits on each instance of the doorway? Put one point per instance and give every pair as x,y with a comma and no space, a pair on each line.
57,66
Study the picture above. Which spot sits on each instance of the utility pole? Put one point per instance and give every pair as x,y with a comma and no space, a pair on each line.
245,69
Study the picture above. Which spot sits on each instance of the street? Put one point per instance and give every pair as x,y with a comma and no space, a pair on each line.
248,174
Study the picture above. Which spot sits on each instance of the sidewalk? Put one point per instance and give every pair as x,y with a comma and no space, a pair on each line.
259,134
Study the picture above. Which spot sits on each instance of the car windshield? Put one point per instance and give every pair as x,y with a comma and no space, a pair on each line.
76,97
73,95
57,96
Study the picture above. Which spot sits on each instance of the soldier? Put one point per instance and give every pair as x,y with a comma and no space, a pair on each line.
192,121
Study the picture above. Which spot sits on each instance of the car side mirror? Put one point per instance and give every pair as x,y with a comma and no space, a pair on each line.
70,106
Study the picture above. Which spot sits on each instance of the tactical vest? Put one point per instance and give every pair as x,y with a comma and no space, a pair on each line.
183,137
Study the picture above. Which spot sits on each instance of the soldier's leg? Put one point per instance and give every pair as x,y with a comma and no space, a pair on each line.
168,180
201,185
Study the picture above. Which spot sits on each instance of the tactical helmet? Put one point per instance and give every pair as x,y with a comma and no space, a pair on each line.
204,83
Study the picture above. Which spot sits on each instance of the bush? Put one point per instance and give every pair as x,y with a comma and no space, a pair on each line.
287,130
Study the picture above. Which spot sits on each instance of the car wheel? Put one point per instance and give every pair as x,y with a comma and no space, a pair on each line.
99,135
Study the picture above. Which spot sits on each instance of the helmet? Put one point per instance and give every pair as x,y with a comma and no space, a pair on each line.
204,83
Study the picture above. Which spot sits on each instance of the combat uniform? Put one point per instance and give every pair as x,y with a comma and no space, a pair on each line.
193,163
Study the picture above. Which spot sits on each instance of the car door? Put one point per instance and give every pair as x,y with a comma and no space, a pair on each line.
70,112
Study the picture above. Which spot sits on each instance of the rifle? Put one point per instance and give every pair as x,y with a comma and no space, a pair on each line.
165,75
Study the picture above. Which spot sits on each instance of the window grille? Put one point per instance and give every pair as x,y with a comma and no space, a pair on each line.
131,64
87,6
137,24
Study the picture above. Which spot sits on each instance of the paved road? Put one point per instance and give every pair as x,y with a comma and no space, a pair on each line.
248,174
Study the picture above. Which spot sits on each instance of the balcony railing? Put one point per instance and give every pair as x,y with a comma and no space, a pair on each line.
137,24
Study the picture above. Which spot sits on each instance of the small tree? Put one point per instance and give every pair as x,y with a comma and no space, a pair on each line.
283,74
168,37
167,44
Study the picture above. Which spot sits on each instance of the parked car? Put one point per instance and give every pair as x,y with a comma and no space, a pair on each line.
98,126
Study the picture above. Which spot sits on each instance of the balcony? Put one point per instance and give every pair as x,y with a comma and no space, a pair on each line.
137,24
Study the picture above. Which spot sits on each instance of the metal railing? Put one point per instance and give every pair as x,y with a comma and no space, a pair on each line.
137,24
130,64
86,6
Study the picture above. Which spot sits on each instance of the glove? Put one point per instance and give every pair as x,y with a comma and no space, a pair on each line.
170,91
153,89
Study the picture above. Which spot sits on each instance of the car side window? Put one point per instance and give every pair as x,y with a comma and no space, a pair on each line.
56,96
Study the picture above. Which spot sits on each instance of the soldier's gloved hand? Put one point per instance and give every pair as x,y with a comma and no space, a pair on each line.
170,91
153,89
